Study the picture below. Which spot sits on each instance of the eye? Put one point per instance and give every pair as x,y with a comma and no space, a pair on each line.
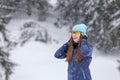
75,32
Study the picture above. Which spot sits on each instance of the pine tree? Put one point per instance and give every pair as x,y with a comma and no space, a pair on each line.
102,17
5,62
25,6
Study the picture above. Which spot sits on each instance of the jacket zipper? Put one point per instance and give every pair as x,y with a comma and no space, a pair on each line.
84,75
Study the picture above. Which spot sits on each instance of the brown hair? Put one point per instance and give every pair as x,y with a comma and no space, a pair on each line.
70,51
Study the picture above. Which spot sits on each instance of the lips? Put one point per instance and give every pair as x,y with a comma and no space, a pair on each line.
75,38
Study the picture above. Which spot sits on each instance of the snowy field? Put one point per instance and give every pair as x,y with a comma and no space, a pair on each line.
36,60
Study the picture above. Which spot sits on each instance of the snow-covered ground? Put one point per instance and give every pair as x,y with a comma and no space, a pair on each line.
36,60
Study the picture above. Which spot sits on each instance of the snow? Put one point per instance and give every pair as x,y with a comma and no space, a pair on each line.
1,40
36,60
2,73
104,68
53,2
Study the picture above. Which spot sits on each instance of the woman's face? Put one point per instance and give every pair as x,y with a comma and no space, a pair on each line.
75,35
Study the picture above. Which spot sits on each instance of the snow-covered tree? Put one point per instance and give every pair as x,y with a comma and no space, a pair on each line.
11,7
5,64
33,31
39,7
102,17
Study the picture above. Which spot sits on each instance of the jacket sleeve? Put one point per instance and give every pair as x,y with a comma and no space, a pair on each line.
61,52
86,48
86,51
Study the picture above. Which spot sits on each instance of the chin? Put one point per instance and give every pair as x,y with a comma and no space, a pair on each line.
75,40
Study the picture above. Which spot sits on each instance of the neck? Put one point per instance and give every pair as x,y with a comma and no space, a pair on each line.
76,41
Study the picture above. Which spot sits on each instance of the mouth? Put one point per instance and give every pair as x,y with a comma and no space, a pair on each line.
75,38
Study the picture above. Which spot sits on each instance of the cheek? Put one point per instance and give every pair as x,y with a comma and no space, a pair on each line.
76,36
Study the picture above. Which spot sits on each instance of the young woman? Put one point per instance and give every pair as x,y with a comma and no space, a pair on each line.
78,54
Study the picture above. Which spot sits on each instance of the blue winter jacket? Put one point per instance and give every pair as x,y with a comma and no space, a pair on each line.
77,70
